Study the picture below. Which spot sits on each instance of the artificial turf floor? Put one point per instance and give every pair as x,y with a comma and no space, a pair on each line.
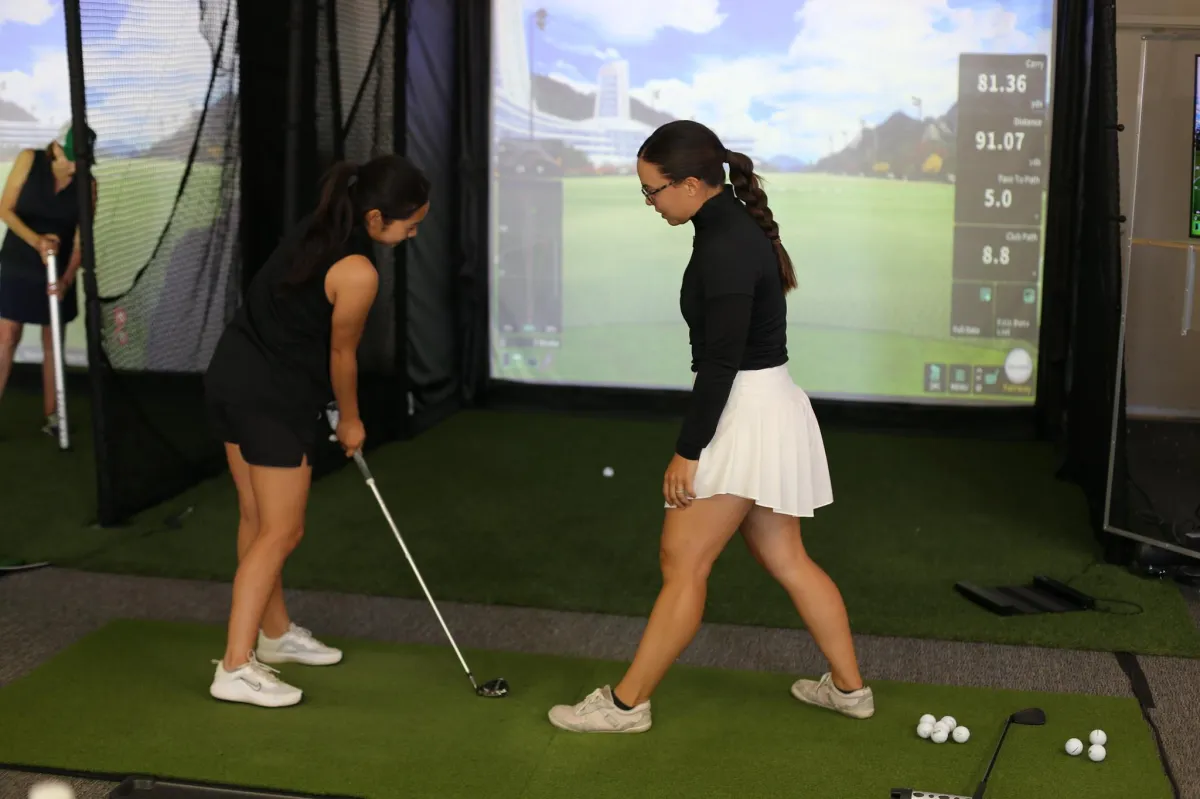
396,720
511,508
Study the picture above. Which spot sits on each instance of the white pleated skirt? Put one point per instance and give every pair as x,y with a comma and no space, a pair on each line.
767,447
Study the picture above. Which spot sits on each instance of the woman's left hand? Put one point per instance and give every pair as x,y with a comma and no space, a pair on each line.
678,483
63,285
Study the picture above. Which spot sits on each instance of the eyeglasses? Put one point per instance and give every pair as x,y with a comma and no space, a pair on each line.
649,193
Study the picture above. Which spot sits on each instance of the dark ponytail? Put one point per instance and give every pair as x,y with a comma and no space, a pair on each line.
748,187
390,184
686,149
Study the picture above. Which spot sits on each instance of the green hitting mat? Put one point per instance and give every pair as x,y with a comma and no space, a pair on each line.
514,509
397,720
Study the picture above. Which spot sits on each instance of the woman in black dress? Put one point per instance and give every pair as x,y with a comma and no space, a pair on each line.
290,350
41,211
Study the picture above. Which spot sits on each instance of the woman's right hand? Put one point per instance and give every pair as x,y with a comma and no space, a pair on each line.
351,434
46,246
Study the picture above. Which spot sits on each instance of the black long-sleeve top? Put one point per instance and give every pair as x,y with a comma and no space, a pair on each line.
732,300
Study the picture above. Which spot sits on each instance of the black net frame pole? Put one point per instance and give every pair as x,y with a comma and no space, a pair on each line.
335,80
400,145
473,53
105,511
291,171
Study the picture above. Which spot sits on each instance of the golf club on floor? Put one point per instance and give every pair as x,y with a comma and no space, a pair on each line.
492,689
60,388
1030,717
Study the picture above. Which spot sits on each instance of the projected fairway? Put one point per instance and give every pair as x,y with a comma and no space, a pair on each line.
907,173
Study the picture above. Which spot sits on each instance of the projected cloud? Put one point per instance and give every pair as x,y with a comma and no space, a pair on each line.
154,59
791,77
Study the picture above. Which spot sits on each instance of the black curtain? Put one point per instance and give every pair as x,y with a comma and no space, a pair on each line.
430,258
1078,382
473,37
264,40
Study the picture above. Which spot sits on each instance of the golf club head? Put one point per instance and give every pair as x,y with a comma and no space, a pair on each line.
1032,716
493,689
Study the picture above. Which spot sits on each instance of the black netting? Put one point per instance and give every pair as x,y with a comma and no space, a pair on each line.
162,93
355,119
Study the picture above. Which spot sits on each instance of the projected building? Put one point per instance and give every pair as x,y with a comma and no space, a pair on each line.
611,136
510,67
612,91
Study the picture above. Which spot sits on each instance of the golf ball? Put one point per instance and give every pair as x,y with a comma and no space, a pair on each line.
1096,752
51,789
949,722
928,719
608,471
939,735
924,729
1074,746
961,734
1098,738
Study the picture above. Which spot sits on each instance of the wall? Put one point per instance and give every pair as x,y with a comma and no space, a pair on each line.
1162,364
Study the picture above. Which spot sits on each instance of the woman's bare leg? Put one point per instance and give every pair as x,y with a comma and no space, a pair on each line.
774,540
49,383
275,621
10,337
692,539
280,497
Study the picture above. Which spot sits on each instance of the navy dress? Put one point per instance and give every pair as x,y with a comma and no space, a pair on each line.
23,277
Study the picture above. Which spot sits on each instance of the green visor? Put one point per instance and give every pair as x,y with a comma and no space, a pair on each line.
69,145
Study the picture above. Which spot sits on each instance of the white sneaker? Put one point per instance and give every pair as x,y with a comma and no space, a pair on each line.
297,645
858,704
598,713
254,684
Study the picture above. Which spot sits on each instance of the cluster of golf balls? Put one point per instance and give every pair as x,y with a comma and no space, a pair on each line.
1096,751
939,730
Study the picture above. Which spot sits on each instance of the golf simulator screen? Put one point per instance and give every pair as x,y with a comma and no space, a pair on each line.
904,148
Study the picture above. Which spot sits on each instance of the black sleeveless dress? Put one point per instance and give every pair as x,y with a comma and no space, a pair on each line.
268,382
23,276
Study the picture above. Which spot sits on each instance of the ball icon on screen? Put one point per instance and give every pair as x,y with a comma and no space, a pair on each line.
1018,366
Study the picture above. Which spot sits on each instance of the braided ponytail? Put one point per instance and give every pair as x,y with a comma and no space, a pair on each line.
748,187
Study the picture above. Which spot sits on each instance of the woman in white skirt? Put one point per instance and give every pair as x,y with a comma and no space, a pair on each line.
750,454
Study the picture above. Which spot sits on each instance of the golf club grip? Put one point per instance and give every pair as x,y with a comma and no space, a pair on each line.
60,388
333,417
361,462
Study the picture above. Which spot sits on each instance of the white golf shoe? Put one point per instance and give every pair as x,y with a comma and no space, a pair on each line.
253,683
297,645
598,713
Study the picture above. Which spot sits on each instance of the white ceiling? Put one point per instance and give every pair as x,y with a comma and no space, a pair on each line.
1163,8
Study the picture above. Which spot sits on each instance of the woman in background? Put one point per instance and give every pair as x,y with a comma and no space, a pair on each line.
290,350
40,208
750,454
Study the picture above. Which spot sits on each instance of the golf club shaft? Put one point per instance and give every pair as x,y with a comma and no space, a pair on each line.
60,388
333,416
362,465
983,783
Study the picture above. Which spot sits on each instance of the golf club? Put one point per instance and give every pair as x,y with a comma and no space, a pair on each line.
1031,717
60,388
492,689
